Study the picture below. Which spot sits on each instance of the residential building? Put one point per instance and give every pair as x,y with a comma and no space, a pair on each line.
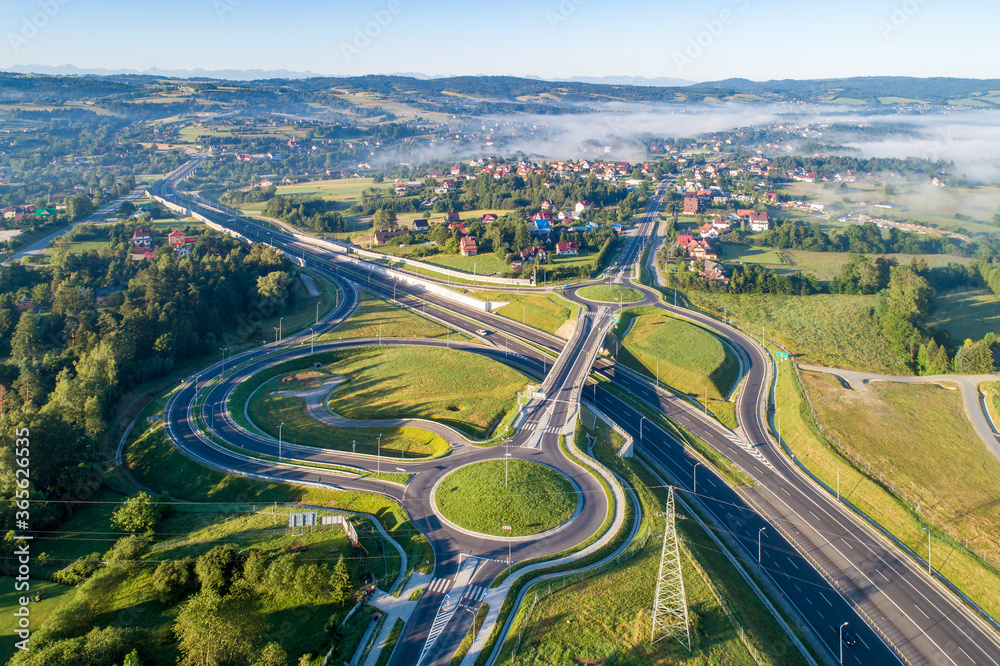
468,246
142,238
567,249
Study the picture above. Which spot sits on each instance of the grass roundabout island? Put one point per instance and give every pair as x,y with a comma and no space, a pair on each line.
535,499
605,294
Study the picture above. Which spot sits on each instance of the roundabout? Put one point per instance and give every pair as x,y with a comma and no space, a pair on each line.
484,497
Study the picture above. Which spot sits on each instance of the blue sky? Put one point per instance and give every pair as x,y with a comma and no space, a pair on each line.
756,39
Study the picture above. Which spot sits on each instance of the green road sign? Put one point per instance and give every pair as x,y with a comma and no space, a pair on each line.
781,355
615,319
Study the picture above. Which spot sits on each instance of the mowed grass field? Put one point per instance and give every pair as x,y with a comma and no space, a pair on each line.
733,253
614,294
464,390
690,358
928,449
830,330
545,312
825,265
533,498
966,313
376,316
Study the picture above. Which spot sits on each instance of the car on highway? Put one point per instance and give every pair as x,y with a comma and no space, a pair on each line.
847,636
482,331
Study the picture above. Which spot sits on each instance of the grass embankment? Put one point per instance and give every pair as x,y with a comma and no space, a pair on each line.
376,316
297,622
831,330
921,441
992,392
545,312
605,618
156,464
602,293
466,643
684,356
528,497
464,390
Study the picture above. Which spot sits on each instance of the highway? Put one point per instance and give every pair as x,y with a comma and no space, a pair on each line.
826,564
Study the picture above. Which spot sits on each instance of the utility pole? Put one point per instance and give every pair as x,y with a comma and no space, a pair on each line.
928,530
317,312
759,533
506,458
280,336
695,475
279,440
312,341
670,613
840,630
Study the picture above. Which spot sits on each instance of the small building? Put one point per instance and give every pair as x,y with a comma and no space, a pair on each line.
565,249
452,216
468,246
692,204
420,225
176,238
488,217
382,237
142,238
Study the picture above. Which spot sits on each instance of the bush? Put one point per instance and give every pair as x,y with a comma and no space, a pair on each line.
173,579
79,571
216,568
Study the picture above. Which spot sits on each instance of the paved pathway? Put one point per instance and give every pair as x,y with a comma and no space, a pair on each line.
972,399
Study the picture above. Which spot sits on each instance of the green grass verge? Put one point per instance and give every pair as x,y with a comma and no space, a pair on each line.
477,625
390,642
966,314
688,357
376,316
545,312
528,497
605,294
955,459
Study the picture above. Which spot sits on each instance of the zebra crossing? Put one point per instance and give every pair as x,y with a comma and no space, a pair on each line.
474,594
548,430
439,585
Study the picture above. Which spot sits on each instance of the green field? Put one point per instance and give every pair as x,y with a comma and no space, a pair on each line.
464,390
52,594
733,253
343,189
375,316
545,312
966,313
825,265
602,293
831,330
689,357
531,499
902,428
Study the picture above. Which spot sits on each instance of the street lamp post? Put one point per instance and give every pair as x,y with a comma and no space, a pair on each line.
695,475
840,630
317,311
223,350
641,419
506,458
275,334
759,532
280,336
927,529
279,440
378,453
312,340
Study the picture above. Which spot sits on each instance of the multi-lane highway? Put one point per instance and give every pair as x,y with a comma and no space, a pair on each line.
826,565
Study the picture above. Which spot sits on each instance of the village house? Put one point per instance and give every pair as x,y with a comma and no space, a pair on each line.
382,237
142,238
565,249
452,216
468,246
420,225
692,204
708,231
530,254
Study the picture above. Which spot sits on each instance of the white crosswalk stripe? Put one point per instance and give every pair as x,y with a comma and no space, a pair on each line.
475,593
439,585
440,622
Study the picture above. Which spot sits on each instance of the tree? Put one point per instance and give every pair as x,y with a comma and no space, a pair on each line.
79,206
136,514
340,582
274,290
214,630
126,209
272,655
384,219
173,579
25,345
132,659
215,568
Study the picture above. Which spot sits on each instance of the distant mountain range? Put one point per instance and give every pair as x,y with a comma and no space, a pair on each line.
260,74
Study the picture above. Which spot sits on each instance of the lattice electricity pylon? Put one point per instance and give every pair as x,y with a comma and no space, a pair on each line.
670,611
